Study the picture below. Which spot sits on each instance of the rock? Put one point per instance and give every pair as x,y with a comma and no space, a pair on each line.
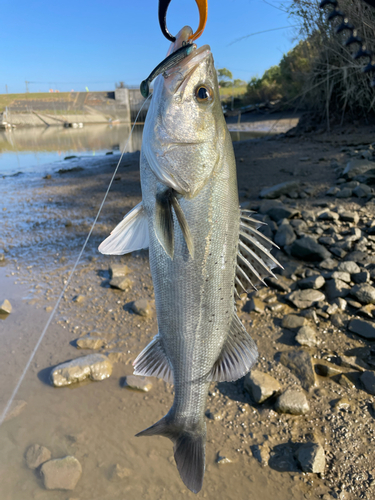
311,458
78,299
261,452
118,472
328,215
222,459
256,305
336,288
364,293
89,342
279,189
362,191
357,167
362,277
36,455
327,369
261,386
61,473
344,193
266,205
353,362
346,382
293,402
16,408
214,414
121,283
354,303
118,270
338,320
367,310
141,307
278,213
306,336
328,264
314,282
280,284
305,298
332,309
349,216
333,191
368,382
93,366
284,235
138,383
341,303
365,329
342,404
308,249
293,321
6,307
342,276
300,364
2,257
349,267
327,240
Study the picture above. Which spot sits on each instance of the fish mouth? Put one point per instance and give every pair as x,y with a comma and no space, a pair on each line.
190,62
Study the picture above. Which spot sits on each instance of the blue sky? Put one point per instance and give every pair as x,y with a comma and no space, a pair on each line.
73,44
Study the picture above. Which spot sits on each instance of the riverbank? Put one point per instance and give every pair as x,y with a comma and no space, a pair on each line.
96,421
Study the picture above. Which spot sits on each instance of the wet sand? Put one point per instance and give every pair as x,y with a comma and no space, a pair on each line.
43,228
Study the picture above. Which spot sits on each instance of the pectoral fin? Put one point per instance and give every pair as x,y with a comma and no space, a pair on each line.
128,236
152,362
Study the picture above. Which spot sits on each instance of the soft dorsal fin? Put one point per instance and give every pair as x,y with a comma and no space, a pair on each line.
238,355
254,259
128,236
152,362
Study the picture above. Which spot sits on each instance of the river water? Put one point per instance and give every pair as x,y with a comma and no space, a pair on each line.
29,150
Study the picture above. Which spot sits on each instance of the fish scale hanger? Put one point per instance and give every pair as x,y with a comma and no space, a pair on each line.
163,8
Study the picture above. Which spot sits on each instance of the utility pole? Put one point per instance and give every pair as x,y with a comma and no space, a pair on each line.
27,86
6,88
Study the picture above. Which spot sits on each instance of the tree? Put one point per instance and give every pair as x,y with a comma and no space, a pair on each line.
225,77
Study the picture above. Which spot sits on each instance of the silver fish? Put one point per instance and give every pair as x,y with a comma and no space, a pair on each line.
204,252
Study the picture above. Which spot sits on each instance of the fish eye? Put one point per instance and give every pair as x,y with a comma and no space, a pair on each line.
203,93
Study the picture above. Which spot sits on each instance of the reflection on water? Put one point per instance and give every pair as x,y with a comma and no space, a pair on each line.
28,149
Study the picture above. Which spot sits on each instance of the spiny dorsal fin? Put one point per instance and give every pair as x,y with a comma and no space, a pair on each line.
152,362
128,236
238,355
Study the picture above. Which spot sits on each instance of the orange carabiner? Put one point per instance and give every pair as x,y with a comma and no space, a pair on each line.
163,7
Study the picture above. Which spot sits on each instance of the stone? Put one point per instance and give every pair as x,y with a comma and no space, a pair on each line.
256,305
279,189
368,382
349,267
341,303
141,307
357,167
16,408
266,205
2,257
280,284
36,455
284,235
339,252
305,298
6,307
222,459
315,282
309,249
138,383
362,191
333,191
261,452
327,369
78,299
292,401
363,328
121,283
332,309
342,404
299,226
349,216
341,275
94,366
367,310
118,270
353,362
278,213
89,342
362,277
346,382
118,472
344,193
261,386
336,288
306,336
300,364
328,215
293,321
353,303
311,458
363,293
328,264
338,320
327,240
214,414
61,474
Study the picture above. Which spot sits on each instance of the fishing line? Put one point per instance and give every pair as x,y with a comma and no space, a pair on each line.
11,399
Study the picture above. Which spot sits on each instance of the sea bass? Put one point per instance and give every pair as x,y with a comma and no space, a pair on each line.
204,252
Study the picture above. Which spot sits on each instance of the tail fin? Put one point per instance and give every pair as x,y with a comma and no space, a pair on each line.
189,450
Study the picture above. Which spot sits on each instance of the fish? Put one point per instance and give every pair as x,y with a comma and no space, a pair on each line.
204,252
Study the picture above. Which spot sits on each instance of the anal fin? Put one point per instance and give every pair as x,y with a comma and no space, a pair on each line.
238,355
152,362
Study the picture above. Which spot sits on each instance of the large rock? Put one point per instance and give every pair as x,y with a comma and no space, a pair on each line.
282,212
141,307
88,342
118,270
365,329
293,321
364,293
349,266
121,283
94,366
311,458
36,455
305,298
6,307
61,473
314,282
300,364
293,402
279,189
138,383
284,235
306,336
357,167
368,382
307,248
261,386
336,288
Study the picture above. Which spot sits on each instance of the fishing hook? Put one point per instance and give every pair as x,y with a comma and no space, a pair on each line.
163,7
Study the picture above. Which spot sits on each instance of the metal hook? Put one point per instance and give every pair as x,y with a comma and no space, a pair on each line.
162,13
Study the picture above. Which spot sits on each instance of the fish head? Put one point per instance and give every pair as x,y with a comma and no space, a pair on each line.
185,125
